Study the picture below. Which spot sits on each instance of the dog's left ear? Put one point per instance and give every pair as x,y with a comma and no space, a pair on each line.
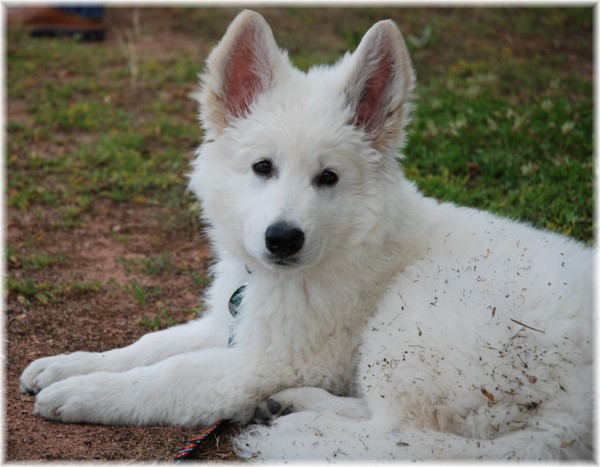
379,85
245,64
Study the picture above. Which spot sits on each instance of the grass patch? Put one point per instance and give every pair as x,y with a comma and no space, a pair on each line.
43,292
532,160
91,133
165,319
159,264
34,261
158,321
141,293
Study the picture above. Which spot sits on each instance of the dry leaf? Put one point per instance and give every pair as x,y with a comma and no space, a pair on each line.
488,394
27,397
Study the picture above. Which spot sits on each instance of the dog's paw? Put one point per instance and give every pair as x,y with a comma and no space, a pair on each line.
95,398
43,372
270,410
66,401
309,399
291,400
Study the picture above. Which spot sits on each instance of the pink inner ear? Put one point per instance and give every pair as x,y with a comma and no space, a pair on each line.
242,78
371,111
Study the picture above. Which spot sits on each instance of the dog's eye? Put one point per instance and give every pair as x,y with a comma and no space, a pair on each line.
326,178
263,168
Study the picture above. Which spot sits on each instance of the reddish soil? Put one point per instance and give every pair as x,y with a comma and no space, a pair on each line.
96,321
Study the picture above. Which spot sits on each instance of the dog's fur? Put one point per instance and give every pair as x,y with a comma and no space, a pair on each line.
392,325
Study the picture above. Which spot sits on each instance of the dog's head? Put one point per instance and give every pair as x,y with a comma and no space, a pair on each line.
294,166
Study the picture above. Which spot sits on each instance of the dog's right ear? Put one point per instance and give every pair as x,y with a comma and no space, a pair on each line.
240,68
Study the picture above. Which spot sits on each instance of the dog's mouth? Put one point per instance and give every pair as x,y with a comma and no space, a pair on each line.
283,261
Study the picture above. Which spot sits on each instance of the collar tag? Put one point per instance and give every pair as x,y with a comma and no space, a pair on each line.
235,302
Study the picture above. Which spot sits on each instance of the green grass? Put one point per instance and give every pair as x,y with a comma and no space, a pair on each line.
84,144
142,294
43,292
503,119
160,320
35,260
161,263
532,160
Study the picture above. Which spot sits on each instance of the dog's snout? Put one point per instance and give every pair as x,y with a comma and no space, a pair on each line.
283,239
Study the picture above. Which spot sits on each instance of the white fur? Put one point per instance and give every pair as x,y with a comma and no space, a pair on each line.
450,332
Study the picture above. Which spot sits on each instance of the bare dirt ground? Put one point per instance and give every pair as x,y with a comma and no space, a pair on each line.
95,322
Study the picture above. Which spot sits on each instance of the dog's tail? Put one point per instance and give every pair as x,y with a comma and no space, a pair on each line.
314,436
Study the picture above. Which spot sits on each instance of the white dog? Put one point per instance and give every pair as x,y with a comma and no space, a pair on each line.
392,326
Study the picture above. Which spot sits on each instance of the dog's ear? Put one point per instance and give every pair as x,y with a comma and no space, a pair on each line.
240,68
379,85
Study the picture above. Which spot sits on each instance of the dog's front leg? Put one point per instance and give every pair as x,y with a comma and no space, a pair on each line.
191,389
211,331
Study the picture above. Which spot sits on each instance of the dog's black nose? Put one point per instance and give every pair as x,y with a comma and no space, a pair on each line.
283,239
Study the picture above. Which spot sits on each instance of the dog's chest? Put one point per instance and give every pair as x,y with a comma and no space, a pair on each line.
328,361
314,343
